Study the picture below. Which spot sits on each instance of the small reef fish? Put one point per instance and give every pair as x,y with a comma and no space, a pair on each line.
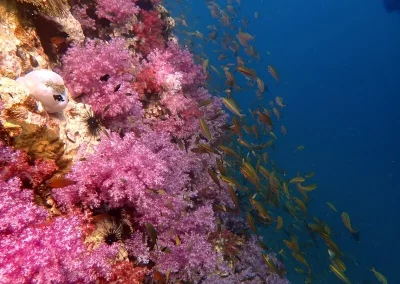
347,222
152,233
283,130
279,223
297,180
272,70
339,274
204,129
379,276
332,206
299,148
279,102
60,182
310,175
251,222
232,106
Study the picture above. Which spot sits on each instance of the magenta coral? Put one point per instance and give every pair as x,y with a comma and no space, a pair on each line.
17,210
101,72
119,174
34,249
128,172
117,11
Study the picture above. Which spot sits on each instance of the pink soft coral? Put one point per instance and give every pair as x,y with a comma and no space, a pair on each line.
101,72
174,67
119,174
17,210
150,175
34,249
172,77
117,11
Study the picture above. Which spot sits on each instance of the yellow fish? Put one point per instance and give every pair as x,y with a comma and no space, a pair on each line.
204,129
251,222
279,222
332,206
232,106
347,222
339,274
297,179
379,276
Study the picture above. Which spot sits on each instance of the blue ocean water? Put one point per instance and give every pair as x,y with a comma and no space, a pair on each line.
339,67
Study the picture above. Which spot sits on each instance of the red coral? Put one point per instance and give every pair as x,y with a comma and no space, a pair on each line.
150,31
125,273
15,163
146,82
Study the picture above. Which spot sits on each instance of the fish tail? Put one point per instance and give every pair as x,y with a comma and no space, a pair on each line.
356,235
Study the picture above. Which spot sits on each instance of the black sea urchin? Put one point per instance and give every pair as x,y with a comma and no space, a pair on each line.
111,231
93,123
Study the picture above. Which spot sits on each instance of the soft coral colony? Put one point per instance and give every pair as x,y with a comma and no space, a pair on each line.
141,204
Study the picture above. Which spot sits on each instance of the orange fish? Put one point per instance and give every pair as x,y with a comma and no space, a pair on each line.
159,277
272,70
60,182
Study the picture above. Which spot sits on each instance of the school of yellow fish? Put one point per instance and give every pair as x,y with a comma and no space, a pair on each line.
258,188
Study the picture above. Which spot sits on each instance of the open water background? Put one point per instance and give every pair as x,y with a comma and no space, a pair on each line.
339,67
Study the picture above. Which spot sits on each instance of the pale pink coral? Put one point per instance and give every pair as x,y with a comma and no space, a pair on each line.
174,67
173,76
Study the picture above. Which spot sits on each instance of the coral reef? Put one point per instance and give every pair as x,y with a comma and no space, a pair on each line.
115,185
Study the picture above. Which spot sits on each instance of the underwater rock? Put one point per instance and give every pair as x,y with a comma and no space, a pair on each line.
164,13
58,137
20,48
28,124
69,25
48,88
